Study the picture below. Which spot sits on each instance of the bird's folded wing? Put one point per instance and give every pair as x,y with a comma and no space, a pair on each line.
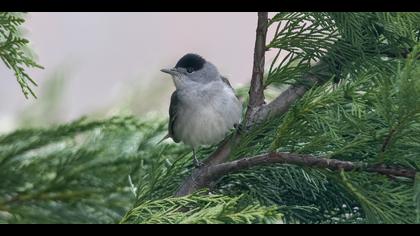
173,109
224,79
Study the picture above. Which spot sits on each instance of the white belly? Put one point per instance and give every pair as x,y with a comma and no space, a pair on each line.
206,121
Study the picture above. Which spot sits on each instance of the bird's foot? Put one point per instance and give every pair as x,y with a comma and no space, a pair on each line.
239,128
197,163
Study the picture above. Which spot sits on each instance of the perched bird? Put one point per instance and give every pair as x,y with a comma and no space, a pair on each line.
204,106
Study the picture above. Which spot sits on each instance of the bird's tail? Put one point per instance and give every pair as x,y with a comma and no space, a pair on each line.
166,136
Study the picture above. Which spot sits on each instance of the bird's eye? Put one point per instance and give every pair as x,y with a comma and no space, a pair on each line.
189,69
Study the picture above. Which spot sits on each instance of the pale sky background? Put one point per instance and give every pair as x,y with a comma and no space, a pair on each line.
103,56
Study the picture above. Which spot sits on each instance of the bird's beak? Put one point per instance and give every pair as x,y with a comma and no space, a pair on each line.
172,71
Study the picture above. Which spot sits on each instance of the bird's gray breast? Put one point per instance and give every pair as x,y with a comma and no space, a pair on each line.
205,113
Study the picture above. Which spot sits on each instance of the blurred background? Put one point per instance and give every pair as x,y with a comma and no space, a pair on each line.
103,64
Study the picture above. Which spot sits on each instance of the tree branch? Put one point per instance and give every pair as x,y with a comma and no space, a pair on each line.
308,161
387,140
190,185
217,171
256,90
282,103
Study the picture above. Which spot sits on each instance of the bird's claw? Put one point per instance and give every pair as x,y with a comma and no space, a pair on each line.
239,128
198,163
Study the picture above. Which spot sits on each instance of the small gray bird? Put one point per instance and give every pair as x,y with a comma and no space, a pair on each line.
203,107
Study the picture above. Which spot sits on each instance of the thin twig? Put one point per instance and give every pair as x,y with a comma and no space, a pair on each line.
387,140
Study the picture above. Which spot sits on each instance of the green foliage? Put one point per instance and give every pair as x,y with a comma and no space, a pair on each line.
193,209
14,51
303,195
304,38
348,42
365,110
383,201
75,173
93,172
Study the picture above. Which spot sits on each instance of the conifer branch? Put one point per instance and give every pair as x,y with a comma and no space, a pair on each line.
205,176
307,161
387,140
282,103
256,90
13,51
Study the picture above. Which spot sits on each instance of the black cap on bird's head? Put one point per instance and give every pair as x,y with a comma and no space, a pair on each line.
193,67
191,62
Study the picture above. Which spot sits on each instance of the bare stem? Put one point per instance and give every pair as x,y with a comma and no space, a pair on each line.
256,90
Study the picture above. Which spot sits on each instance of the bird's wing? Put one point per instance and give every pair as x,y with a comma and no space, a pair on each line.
173,108
226,81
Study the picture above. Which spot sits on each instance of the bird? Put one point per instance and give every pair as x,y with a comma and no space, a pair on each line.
203,107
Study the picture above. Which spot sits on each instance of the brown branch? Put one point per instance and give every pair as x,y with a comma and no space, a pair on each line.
402,53
282,103
190,185
215,172
256,90
308,161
